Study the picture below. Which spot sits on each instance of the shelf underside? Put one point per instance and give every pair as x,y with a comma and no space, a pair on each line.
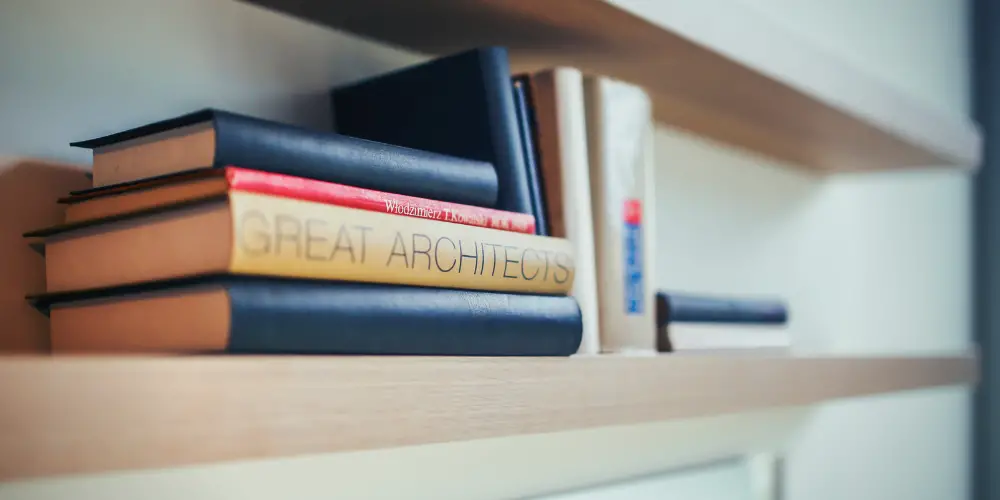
85,415
693,87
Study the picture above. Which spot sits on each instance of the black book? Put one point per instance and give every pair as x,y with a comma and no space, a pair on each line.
285,316
213,138
674,307
528,128
460,105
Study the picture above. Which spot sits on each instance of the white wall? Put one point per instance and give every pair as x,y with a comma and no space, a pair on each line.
73,70
870,262
875,262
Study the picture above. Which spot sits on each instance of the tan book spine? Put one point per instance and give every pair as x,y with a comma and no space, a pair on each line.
287,237
274,236
557,96
620,128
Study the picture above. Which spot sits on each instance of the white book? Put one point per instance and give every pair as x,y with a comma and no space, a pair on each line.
620,141
561,129
709,336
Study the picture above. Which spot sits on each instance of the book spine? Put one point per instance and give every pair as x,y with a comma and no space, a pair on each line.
557,99
526,127
377,201
720,338
272,147
682,308
293,238
459,105
355,318
621,168
512,172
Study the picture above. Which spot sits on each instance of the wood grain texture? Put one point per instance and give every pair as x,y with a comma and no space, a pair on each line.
693,87
67,415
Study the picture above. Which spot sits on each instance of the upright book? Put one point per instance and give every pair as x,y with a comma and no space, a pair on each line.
213,138
561,132
255,234
461,105
620,141
110,201
274,316
528,125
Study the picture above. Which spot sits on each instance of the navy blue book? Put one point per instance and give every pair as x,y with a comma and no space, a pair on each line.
461,105
685,308
212,138
527,127
283,316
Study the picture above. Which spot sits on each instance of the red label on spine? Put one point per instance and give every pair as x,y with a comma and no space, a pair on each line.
633,212
376,201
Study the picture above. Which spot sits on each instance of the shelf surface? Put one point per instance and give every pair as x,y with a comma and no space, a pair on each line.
785,98
86,415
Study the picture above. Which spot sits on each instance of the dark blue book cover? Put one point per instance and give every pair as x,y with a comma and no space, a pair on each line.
527,127
257,144
460,105
289,316
676,307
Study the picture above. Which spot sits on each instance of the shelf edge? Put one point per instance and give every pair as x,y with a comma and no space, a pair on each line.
161,412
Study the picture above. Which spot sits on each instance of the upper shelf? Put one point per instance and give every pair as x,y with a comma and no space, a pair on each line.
787,99
67,415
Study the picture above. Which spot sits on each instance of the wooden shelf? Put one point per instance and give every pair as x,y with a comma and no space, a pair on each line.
781,96
85,415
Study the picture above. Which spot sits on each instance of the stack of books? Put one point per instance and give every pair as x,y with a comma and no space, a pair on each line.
218,232
458,210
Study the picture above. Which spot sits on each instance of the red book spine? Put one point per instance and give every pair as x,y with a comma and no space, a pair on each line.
254,181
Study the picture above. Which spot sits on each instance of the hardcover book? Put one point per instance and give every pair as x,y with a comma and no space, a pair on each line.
213,138
274,316
98,203
561,131
619,133
255,234
698,323
676,307
527,126
722,338
460,105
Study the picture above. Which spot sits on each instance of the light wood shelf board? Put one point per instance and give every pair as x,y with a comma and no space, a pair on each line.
83,415
693,86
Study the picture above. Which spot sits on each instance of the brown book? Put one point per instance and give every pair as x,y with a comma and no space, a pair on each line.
216,139
282,316
145,195
123,199
256,234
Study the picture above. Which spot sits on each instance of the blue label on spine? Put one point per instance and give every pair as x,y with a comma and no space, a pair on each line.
634,300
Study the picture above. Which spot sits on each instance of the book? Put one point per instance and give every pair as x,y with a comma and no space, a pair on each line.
677,307
99,203
461,105
214,138
725,338
256,234
527,127
620,139
274,316
687,322
561,132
